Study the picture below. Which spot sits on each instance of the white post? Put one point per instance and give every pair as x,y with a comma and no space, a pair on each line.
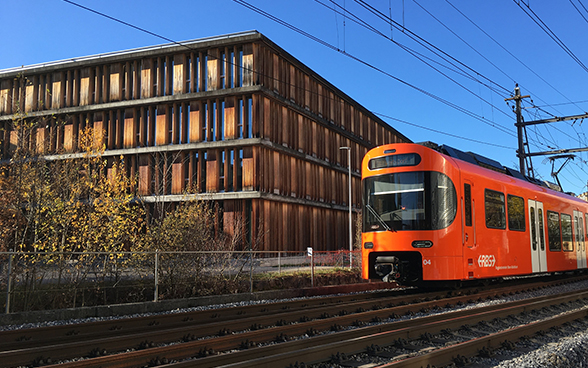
350,225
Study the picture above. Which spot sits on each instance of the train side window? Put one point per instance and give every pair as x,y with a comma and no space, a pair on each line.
586,227
467,197
553,231
495,212
541,231
533,229
567,233
580,233
516,213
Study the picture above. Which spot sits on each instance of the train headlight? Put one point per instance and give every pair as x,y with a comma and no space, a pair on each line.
368,245
422,244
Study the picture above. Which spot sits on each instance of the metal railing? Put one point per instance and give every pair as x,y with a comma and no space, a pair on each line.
33,281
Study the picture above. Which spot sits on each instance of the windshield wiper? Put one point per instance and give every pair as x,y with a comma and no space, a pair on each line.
380,220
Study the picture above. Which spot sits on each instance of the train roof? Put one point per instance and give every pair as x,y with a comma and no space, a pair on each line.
476,159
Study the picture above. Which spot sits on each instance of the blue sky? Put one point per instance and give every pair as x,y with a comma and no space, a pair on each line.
495,44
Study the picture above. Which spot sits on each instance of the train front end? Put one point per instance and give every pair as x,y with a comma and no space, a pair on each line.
411,227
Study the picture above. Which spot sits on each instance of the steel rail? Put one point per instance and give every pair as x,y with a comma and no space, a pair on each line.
27,338
188,350
312,351
445,356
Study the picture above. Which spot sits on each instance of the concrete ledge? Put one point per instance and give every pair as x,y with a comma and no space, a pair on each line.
170,305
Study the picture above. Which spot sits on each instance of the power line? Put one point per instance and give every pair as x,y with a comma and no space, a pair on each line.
421,57
421,41
324,43
457,70
550,33
507,51
464,41
578,10
442,132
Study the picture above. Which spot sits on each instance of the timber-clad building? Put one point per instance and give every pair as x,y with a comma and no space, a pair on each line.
235,116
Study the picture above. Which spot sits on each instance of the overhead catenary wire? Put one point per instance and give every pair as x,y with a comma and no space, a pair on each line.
465,42
527,10
442,132
456,68
326,44
508,52
424,42
526,66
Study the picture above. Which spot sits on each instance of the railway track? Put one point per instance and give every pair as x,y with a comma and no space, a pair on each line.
310,331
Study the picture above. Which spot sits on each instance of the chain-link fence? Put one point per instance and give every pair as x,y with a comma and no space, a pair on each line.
36,281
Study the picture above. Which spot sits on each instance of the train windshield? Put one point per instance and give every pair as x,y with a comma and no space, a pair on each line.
421,200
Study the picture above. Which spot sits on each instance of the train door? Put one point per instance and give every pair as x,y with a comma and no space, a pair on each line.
469,231
580,243
537,236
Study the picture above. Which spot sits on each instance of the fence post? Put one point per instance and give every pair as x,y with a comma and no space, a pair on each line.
310,253
312,269
9,282
279,263
156,292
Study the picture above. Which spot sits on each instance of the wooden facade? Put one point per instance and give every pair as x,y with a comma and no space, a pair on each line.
235,117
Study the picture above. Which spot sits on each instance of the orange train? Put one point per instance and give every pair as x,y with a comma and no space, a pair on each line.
434,214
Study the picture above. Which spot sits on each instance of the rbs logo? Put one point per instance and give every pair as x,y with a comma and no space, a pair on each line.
486,260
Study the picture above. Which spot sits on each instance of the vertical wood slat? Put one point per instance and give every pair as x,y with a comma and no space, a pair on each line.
160,79
127,81
99,85
212,172
151,125
230,120
175,124
75,83
184,123
136,65
99,129
85,87
147,78
130,129
180,73
40,137
143,125
30,96
57,91
70,132
145,175
248,169
248,66
195,122
213,68
193,65
177,178
162,128
169,75
120,126
115,82
6,96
